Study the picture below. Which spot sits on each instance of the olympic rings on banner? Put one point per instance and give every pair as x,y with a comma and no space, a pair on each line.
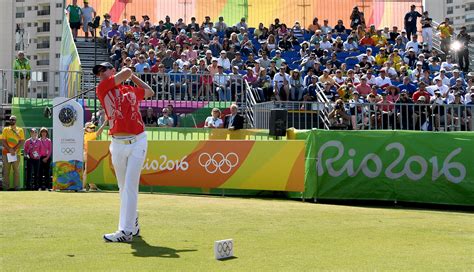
218,162
68,150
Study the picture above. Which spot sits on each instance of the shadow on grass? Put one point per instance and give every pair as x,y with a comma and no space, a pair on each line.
143,249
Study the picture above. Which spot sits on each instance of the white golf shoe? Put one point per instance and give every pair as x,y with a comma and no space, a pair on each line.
118,236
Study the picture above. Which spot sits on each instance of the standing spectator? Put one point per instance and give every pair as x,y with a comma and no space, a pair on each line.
32,156
88,13
463,53
75,14
13,139
446,31
90,135
45,160
234,120
22,68
357,18
149,119
410,21
427,29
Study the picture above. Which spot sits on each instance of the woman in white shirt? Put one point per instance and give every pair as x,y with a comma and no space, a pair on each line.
214,121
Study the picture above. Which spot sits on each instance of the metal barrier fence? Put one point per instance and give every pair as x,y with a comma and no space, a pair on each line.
44,84
357,116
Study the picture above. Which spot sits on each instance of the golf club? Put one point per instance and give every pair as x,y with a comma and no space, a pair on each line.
47,112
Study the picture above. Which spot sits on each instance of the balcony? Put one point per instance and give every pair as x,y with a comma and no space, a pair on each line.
44,12
42,45
20,15
43,29
42,62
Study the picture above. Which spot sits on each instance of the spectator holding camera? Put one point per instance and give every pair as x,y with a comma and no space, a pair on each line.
338,117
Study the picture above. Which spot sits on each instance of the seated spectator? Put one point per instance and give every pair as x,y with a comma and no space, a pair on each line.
214,121
325,28
223,60
233,121
296,86
264,85
310,92
165,120
350,45
222,84
379,39
149,119
312,28
281,87
409,87
413,44
340,28
141,65
297,30
382,81
363,88
173,115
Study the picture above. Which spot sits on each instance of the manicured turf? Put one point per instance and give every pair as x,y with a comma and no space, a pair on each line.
43,231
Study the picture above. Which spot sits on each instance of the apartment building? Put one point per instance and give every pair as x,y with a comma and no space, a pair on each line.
459,12
35,27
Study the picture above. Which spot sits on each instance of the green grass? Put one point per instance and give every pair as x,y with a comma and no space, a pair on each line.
63,231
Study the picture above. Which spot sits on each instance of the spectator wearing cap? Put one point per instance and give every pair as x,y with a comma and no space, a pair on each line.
106,27
447,64
414,44
22,68
90,134
438,86
310,92
326,78
356,109
381,57
108,18
442,76
410,21
455,77
222,83
13,139
421,92
32,157
281,81
296,86
223,60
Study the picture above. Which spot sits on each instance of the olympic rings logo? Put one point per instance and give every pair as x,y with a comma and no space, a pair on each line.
68,150
218,162
224,249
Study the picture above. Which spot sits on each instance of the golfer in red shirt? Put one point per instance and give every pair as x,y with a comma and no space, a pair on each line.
129,143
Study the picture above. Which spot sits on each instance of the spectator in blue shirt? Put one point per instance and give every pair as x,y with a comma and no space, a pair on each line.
408,86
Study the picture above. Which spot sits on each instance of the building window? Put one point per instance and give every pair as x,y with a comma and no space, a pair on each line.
58,56
28,24
58,39
29,8
450,10
36,24
36,7
449,1
35,57
58,22
59,5
458,17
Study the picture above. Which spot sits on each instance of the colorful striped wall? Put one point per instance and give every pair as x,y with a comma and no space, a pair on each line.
378,12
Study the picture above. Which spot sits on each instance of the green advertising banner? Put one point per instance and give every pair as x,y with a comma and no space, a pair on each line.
390,165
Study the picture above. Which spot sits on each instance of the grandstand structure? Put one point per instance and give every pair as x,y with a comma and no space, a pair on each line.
194,93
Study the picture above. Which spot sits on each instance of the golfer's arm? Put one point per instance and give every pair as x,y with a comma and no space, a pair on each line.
122,76
148,91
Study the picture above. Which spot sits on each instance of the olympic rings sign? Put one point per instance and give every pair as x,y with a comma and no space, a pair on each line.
224,249
68,150
218,162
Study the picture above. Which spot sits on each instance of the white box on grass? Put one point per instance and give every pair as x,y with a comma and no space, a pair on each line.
224,249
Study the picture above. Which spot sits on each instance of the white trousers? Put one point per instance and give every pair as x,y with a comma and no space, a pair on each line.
128,161
427,34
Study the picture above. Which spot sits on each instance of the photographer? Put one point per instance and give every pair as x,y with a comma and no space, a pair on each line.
338,117
438,109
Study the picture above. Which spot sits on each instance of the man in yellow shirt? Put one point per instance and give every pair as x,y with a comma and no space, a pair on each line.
90,134
13,139
381,57
446,31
